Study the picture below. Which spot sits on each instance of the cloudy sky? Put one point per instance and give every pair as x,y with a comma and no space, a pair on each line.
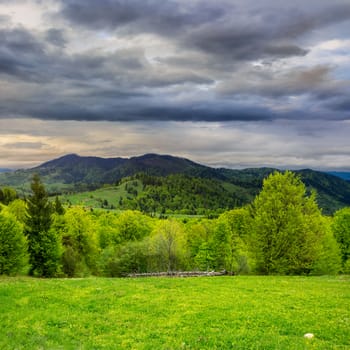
225,83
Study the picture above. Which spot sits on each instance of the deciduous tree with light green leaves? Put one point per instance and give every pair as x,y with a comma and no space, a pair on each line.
287,226
230,247
341,229
168,244
80,243
13,245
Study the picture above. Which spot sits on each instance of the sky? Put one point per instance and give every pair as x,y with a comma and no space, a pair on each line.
225,83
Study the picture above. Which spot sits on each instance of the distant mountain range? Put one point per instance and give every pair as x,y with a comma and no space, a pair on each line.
73,173
4,170
342,174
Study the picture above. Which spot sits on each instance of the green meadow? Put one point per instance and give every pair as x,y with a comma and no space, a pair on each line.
240,312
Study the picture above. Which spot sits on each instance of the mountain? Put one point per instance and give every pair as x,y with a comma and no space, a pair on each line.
73,173
5,170
342,174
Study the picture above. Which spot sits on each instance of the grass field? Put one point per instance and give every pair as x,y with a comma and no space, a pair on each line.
95,199
175,313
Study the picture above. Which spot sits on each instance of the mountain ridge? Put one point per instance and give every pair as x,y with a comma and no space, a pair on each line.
72,172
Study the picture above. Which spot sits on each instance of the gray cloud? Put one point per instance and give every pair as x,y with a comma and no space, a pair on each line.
56,37
164,17
173,61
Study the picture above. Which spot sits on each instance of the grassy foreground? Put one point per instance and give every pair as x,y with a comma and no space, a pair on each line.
181,313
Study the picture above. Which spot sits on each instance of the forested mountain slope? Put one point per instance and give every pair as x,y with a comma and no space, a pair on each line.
228,187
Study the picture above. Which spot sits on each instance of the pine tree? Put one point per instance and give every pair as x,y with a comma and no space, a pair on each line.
43,243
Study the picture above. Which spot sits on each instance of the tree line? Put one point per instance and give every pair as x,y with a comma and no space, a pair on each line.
282,231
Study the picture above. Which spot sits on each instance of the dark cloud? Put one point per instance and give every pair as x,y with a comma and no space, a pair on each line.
163,17
218,61
241,32
56,37
20,54
313,81
341,104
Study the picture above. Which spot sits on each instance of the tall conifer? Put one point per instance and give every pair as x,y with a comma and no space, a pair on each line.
43,243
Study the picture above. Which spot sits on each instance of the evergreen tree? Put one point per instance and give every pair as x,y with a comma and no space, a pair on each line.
58,207
43,243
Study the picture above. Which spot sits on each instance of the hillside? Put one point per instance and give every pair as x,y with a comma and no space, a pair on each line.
76,173
203,186
342,174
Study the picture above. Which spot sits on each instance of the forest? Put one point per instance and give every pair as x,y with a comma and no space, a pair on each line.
281,232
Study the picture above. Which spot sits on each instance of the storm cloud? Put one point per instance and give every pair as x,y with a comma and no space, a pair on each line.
150,61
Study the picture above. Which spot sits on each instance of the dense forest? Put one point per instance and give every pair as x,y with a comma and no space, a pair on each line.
282,231
165,183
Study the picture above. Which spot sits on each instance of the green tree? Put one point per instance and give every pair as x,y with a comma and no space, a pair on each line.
18,208
328,260
231,252
80,243
7,195
130,257
199,239
43,243
341,229
58,207
107,229
169,245
287,226
133,225
13,245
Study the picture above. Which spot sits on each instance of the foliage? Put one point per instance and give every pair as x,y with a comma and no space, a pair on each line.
283,232
7,195
131,257
72,173
230,247
168,245
341,229
18,208
80,242
328,260
181,193
287,226
13,245
43,243
199,242
133,225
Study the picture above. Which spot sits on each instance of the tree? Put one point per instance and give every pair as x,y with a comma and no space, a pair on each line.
199,237
133,225
7,195
230,248
341,229
43,243
287,226
13,245
328,260
80,243
58,207
19,209
168,244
